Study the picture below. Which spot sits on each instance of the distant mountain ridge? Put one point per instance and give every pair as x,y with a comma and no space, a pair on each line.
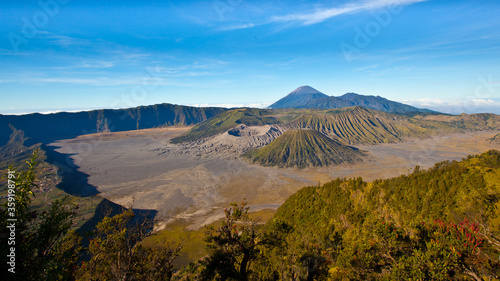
49,127
308,97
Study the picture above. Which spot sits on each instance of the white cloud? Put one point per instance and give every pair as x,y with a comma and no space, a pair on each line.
12,111
458,105
233,105
321,15
368,67
236,27
62,40
101,81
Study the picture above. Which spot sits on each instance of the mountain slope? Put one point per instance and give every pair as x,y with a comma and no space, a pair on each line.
358,125
299,98
382,104
17,149
448,191
368,229
302,148
328,103
49,127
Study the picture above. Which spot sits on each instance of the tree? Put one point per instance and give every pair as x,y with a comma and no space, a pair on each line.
112,248
233,246
44,246
116,253
155,262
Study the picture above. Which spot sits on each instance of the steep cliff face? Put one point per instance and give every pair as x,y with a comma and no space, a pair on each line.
48,127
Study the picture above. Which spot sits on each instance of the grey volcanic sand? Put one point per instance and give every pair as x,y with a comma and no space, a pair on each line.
142,169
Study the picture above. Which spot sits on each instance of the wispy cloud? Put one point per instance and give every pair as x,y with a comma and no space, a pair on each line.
95,81
321,15
234,105
368,67
86,63
207,67
299,60
101,81
63,40
237,26
457,105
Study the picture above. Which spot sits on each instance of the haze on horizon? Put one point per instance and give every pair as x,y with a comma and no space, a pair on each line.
78,55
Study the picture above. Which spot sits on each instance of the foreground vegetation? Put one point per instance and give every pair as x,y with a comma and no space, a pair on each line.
438,224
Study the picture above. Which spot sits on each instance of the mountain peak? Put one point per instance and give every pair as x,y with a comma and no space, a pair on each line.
304,90
308,97
299,98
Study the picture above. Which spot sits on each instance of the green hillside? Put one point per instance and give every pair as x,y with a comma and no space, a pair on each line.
439,224
303,148
399,228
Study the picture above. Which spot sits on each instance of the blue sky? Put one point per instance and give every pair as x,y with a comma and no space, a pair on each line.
78,55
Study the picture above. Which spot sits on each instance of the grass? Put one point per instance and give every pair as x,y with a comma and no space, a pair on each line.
193,244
